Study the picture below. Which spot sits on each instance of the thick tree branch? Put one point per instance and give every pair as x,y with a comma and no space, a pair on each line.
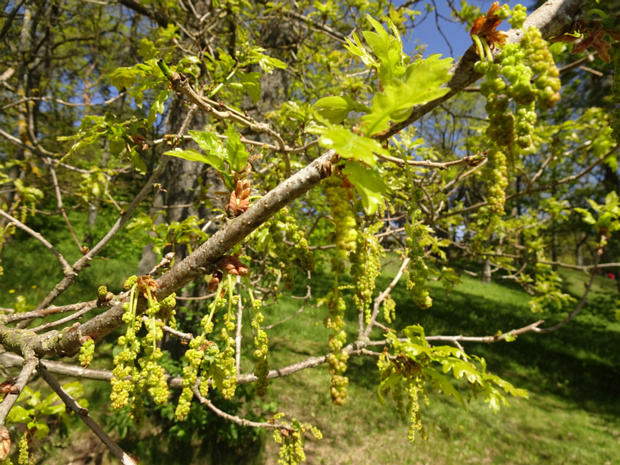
125,216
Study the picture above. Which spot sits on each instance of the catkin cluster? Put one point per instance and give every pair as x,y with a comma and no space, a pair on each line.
261,348
132,381
418,270
292,441
205,358
342,214
284,222
337,359
365,268
87,352
523,76
406,390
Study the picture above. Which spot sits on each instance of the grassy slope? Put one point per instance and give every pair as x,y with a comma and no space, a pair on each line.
571,416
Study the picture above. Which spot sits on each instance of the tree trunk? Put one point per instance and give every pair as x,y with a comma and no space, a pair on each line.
486,273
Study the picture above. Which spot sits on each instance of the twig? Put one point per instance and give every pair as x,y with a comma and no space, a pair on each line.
181,84
532,191
472,160
70,402
62,102
202,297
65,265
574,313
381,297
317,26
165,261
61,207
76,316
308,289
47,311
29,366
185,336
235,419
488,339
301,309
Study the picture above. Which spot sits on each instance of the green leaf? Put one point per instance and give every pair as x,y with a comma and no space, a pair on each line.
158,106
358,49
193,155
122,78
388,49
189,65
421,84
136,161
351,146
18,414
211,144
251,84
386,385
237,154
147,50
74,389
445,385
612,162
335,109
368,183
40,428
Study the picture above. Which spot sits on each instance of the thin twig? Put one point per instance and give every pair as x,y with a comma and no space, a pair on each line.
76,316
235,419
488,339
533,191
381,297
180,83
29,366
301,309
48,311
239,326
472,160
61,207
572,314
71,403
65,265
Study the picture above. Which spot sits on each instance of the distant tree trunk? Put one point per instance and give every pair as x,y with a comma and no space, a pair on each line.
486,273
179,187
579,250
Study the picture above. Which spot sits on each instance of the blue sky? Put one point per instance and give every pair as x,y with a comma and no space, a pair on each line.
456,33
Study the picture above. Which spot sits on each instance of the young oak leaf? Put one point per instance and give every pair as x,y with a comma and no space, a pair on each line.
420,84
351,146
335,109
389,50
369,184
